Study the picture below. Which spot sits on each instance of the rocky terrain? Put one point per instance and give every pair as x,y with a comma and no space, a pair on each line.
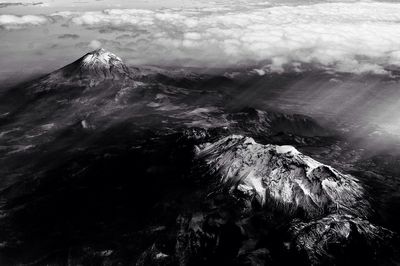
105,164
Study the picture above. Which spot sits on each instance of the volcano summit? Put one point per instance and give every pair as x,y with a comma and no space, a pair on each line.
99,63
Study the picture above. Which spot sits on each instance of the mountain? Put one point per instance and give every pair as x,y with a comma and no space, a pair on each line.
359,239
92,69
100,64
282,176
105,164
316,206
258,121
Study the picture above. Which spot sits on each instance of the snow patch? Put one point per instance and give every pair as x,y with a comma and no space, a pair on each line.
287,149
100,57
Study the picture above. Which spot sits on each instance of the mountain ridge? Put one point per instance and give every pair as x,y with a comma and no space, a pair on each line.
284,176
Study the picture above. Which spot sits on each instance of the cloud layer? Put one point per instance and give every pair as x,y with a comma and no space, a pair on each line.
16,22
347,37
11,4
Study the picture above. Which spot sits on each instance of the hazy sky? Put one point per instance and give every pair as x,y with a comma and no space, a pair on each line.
346,36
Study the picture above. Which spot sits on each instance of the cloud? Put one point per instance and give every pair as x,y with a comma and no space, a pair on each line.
347,37
94,44
4,5
17,22
8,4
68,36
124,36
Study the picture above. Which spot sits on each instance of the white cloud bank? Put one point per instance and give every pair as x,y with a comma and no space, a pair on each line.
16,22
348,37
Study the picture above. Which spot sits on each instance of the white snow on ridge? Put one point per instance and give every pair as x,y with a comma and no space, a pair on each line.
287,149
284,175
101,57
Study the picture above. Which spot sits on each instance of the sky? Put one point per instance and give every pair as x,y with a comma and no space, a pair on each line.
40,36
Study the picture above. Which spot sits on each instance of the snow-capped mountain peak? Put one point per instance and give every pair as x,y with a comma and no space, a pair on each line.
96,66
283,175
90,70
101,57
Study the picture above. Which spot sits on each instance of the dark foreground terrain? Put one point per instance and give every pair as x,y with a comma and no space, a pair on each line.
102,164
